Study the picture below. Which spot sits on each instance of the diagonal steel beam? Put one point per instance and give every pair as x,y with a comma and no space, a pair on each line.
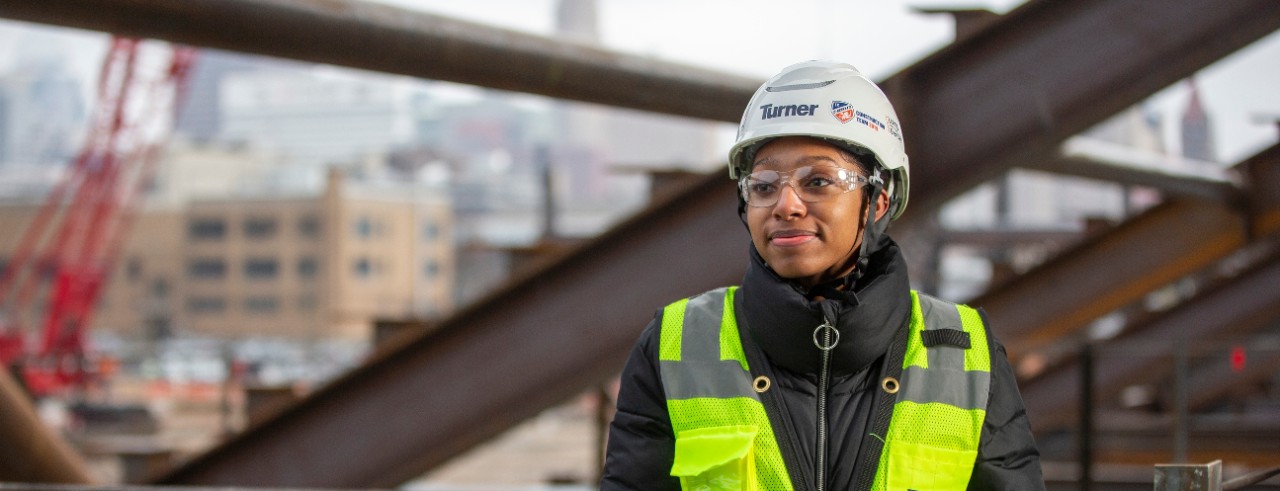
575,320
1167,242
538,342
1047,71
1236,308
970,112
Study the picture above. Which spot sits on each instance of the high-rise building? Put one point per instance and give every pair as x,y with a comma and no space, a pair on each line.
43,114
200,117
1197,132
318,117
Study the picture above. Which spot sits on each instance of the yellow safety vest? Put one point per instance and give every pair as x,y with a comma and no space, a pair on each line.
724,440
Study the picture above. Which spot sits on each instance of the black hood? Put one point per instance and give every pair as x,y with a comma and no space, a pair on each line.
781,317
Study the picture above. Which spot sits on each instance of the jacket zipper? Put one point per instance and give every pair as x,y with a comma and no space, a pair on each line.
825,345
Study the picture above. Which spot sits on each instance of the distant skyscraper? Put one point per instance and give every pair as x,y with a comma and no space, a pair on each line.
318,117
592,139
43,114
200,118
1197,131
576,20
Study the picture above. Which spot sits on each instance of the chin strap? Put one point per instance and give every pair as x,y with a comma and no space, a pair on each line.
870,229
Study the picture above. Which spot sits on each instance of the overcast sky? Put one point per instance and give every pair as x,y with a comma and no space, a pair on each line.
758,37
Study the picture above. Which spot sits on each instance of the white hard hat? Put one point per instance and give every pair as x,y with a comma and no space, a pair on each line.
831,101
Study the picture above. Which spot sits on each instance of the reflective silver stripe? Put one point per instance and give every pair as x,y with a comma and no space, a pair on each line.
719,379
960,388
701,338
700,372
945,381
941,315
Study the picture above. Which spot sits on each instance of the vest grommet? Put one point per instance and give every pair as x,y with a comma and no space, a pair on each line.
761,384
890,385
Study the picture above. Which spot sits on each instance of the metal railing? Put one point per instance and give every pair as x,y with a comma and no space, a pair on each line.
1206,477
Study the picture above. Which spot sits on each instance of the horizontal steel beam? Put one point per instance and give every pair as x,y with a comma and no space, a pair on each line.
969,112
388,39
1002,237
1158,173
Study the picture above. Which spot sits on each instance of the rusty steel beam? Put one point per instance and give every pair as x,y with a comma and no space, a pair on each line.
388,39
970,111
1243,305
1108,272
536,343
549,335
1167,242
30,451
1263,174
1047,71
1210,187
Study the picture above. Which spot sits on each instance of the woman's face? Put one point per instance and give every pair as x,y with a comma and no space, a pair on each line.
808,242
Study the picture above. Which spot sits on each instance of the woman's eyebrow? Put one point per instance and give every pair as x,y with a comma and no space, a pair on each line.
807,160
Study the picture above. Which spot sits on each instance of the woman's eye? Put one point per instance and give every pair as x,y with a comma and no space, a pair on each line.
762,187
818,181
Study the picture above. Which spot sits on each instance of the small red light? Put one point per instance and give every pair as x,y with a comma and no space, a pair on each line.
1237,359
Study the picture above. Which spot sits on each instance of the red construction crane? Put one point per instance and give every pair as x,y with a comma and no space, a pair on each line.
70,247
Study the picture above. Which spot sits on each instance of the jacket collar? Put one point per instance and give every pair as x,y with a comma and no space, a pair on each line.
781,318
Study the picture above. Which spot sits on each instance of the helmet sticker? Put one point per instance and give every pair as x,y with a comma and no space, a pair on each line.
866,119
894,129
842,111
769,111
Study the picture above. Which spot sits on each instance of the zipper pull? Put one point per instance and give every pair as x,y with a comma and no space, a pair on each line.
827,330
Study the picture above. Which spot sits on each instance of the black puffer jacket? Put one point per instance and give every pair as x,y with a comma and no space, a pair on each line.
778,321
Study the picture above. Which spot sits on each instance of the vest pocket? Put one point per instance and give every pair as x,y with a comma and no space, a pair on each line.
914,466
716,458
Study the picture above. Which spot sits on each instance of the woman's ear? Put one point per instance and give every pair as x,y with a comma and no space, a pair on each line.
882,204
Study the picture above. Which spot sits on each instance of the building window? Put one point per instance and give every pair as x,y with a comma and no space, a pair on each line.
206,305
261,268
207,268
309,226
133,269
261,305
308,267
363,267
306,302
431,231
207,229
260,228
364,227
159,288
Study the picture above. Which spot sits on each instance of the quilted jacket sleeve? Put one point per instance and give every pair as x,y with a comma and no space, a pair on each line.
641,444
1007,455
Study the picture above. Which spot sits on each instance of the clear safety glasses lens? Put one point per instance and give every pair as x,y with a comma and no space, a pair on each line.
811,183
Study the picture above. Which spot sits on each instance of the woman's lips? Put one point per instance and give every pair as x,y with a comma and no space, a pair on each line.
790,238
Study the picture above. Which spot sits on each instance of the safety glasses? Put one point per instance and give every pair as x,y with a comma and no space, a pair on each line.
812,183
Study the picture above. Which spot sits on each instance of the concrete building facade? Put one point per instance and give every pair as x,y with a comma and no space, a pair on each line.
310,268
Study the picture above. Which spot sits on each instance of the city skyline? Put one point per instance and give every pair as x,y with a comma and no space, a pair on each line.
754,38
